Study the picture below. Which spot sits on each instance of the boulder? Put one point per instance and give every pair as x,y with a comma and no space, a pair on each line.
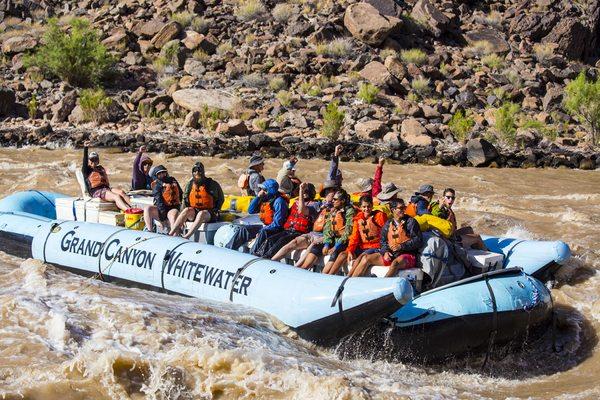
77,115
118,41
208,43
167,33
570,35
137,95
373,129
395,67
376,73
496,39
191,119
368,25
393,140
18,44
386,7
413,133
480,152
233,127
553,98
62,109
7,101
149,29
194,67
197,99
192,40
426,12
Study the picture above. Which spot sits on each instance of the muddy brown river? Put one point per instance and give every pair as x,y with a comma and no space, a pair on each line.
65,337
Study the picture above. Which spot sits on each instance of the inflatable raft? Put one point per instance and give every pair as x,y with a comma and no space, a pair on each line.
462,313
319,308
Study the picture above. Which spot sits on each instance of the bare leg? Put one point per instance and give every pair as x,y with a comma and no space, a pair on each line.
123,195
201,217
183,216
397,265
309,261
332,268
115,198
355,262
299,243
365,263
171,217
150,214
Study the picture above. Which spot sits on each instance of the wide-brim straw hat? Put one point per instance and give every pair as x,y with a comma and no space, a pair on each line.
389,191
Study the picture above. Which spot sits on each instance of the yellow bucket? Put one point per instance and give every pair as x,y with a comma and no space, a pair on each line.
134,219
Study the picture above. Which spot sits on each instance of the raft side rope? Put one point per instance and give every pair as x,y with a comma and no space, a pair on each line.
239,272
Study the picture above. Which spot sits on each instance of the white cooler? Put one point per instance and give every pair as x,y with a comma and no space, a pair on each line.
483,261
77,209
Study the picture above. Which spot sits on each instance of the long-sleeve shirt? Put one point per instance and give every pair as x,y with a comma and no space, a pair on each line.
377,181
329,238
422,204
411,228
334,171
139,180
280,211
157,193
213,188
87,170
355,241
254,180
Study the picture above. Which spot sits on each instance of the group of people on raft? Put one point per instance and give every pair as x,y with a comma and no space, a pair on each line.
358,236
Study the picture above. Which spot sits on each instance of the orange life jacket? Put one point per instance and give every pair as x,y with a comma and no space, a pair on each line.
411,210
298,221
266,213
98,178
338,223
397,235
200,198
319,224
170,193
368,229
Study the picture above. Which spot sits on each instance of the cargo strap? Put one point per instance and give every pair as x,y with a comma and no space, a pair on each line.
166,259
100,275
494,330
239,272
52,228
338,297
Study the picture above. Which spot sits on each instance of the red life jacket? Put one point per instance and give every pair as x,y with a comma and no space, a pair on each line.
297,221
266,213
98,178
200,198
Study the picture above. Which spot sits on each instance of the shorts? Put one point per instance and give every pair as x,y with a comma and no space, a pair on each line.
100,193
366,251
214,215
410,261
162,214
317,250
314,237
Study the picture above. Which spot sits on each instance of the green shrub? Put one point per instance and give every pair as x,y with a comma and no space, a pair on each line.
200,24
493,61
461,125
506,121
224,48
277,83
547,131
414,56
340,47
32,106
315,91
412,97
283,12
284,97
582,100
261,124
250,9
385,53
184,18
209,118
444,69
333,121
95,104
76,56
421,86
201,55
368,93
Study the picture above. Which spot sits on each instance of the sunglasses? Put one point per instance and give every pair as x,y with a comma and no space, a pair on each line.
450,197
402,208
337,198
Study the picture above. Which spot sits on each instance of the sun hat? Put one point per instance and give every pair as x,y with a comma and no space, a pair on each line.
389,191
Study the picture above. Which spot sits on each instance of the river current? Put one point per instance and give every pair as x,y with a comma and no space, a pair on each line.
63,336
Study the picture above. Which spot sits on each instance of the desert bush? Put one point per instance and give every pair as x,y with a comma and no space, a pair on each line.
549,132
414,56
385,53
201,55
333,121
582,100
368,93
283,12
420,86
200,24
493,61
95,104
32,106
543,51
183,18
461,125
249,10
284,97
224,48
277,83
75,55
506,121
340,47
481,48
